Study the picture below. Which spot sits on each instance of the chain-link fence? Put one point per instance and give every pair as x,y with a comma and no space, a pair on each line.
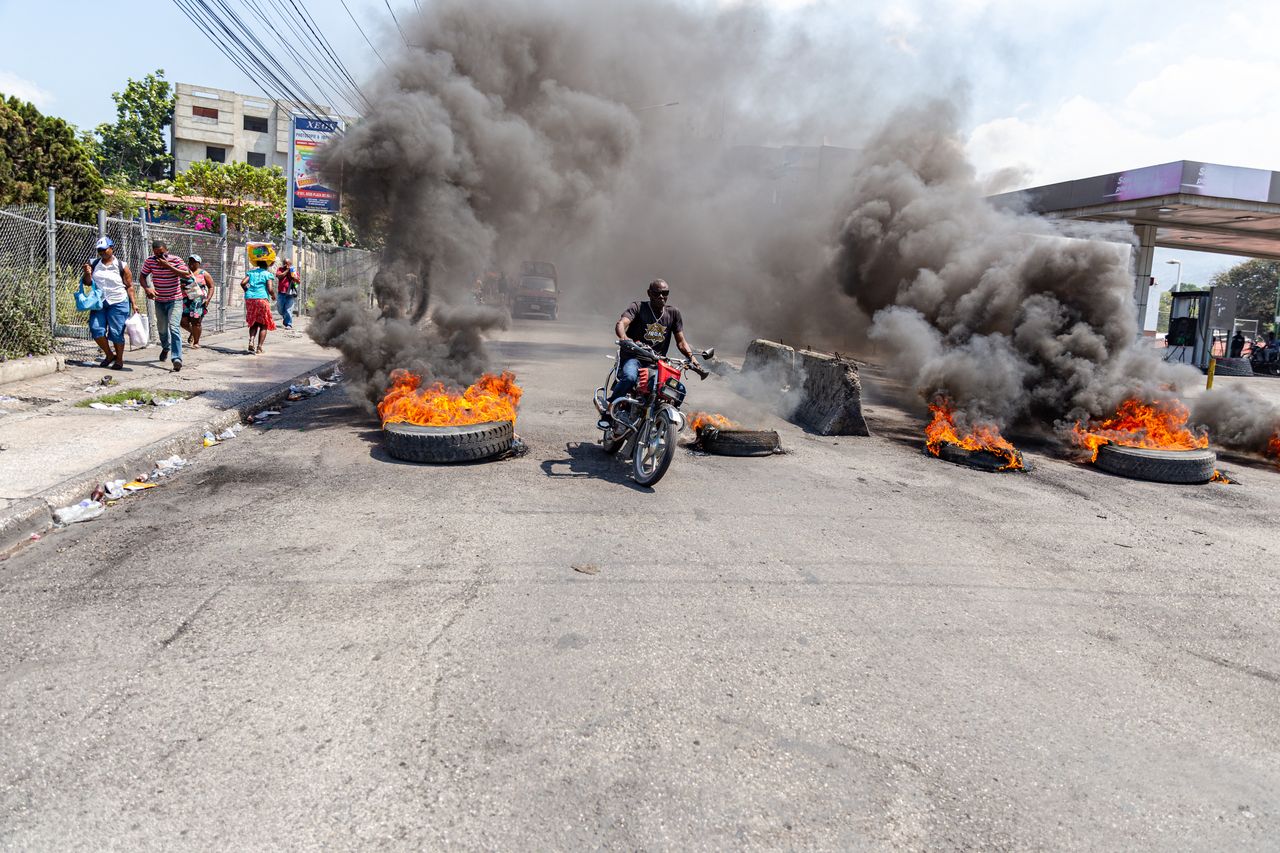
42,260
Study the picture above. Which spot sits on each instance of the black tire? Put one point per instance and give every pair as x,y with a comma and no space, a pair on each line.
1183,467
738,442
983,460
663,462
1233,367
448,444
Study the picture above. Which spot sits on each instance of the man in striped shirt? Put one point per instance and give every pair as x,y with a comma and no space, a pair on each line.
161,276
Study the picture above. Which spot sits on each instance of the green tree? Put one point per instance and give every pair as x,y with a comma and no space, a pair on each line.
252,197
1166,304
37,151
135,145
1257,281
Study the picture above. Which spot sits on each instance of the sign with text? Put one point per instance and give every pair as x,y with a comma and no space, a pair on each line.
309,193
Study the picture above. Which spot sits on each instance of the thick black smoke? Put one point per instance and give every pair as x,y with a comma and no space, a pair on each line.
542,130
998,311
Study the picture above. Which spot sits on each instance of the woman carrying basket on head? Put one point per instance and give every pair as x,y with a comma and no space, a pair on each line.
258,293
113,278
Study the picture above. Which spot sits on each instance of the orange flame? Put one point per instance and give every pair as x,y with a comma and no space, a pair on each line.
983,436
698,420
1219,477
491,398
1273,446
1160,426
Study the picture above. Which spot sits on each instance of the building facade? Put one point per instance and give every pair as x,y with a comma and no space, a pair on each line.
228,127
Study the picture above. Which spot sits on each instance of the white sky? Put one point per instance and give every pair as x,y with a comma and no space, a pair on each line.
1059,89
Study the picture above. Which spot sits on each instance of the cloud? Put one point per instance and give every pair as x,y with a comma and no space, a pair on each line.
20,87
1198,108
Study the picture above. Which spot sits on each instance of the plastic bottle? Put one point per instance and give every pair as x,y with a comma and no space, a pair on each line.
86,510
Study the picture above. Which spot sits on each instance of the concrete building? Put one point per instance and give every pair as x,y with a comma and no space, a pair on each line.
228,127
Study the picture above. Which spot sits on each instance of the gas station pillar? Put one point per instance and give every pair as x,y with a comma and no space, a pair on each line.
1144,257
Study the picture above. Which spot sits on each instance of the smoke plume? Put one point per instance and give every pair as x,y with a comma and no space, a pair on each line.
638,139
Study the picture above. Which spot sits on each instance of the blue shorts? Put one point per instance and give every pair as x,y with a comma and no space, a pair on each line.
109,322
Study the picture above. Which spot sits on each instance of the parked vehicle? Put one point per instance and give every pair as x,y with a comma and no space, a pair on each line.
647,422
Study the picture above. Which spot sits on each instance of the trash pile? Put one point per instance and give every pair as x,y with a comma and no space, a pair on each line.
113,491
313,386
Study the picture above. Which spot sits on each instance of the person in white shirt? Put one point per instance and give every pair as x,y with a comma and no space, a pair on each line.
112,276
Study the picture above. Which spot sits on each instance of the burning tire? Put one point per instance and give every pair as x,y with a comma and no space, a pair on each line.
1183,467
738,442
983,460
445,444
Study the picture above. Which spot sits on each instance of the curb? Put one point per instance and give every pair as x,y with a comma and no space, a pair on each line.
35,514
32,367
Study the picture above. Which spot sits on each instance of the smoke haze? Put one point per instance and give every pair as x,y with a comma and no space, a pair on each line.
631,140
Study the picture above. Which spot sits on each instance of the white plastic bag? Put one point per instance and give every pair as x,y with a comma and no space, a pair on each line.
138,330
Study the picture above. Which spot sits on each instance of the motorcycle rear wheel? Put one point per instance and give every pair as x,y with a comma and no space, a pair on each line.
654,450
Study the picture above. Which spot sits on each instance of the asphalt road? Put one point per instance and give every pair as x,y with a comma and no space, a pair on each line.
300,643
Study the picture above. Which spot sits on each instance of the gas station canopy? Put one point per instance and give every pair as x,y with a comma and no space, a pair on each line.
1203,207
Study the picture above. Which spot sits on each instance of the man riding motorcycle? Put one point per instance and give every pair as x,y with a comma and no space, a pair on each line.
654,323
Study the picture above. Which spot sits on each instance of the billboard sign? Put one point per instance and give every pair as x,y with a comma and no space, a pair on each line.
309,193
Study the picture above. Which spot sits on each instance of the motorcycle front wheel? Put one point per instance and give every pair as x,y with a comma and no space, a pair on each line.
654,450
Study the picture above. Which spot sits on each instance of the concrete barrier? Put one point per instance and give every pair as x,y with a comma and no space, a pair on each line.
832,400
825,388
20,369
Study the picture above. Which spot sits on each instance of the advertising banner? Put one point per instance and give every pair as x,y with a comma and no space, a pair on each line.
309,194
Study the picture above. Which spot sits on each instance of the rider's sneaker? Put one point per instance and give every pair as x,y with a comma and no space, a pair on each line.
604,423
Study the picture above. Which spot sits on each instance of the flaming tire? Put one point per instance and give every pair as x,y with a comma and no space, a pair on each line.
983,460
447,444
1183,467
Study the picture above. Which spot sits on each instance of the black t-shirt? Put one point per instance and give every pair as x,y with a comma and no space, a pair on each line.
654,331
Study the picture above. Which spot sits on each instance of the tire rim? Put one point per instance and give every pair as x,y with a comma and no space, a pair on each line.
655,441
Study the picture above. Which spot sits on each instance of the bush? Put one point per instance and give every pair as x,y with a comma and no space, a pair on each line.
24,314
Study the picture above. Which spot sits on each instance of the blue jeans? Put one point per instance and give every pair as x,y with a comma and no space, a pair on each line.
285,301
628,376
169,327
109,322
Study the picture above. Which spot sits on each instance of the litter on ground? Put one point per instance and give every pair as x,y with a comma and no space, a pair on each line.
86,510
138,485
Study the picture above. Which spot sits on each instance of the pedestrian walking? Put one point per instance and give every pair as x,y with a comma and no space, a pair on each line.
197,292
161,277
257,306
113,278
286,291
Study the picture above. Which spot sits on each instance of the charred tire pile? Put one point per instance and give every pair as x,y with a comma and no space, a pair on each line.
1184,467
445,444
738,442
983,460
1233,367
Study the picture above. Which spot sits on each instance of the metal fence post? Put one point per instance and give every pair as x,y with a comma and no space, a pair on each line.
224,292
102,224
145,233
51,247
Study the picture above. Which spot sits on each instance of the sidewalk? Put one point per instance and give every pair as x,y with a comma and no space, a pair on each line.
54,453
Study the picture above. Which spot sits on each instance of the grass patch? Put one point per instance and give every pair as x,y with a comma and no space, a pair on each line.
140,395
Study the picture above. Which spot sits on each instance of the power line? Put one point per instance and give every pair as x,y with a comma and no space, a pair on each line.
397,20
361,29
274,70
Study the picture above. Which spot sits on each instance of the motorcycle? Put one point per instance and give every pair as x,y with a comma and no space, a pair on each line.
646,421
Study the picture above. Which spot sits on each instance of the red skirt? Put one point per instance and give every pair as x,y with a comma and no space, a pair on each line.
257,312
